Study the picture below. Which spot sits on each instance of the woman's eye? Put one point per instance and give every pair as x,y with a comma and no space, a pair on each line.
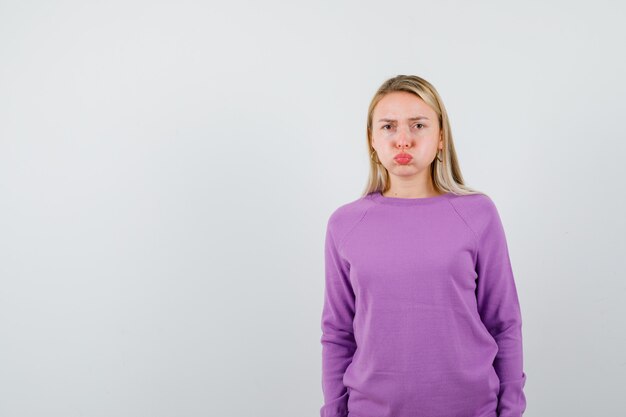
419,125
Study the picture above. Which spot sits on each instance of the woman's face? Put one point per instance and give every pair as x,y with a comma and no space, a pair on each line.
405,133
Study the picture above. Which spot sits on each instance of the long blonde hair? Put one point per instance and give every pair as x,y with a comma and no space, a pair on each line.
446,175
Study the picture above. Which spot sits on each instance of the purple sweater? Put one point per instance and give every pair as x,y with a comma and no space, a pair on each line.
421,316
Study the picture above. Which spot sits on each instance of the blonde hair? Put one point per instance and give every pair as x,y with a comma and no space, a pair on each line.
446,175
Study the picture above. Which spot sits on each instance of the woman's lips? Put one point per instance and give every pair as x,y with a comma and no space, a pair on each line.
403,158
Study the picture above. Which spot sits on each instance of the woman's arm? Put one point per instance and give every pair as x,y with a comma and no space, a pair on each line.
338,344
499,308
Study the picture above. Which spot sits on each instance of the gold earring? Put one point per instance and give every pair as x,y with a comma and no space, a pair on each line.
375,160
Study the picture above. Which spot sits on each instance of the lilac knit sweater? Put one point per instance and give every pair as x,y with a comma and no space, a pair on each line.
421,316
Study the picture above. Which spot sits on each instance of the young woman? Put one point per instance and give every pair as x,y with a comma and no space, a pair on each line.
421,316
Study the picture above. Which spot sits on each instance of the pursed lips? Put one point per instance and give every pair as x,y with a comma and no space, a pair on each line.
403,158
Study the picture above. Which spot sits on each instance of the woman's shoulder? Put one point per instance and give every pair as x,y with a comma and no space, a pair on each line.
478,209
477,201
348,214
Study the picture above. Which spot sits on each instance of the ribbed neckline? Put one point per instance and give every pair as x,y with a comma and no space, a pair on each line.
378,197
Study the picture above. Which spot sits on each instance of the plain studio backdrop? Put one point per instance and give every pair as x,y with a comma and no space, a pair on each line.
167,170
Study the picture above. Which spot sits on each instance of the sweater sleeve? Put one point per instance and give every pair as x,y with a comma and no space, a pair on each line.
338,343
499,308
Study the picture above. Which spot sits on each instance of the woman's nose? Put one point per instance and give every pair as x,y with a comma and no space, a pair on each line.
403,138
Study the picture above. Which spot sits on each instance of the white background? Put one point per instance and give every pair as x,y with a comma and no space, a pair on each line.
167,170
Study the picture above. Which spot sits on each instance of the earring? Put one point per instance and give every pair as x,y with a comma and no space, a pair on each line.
375,160
439,155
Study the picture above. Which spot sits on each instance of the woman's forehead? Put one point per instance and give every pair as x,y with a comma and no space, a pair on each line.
401,106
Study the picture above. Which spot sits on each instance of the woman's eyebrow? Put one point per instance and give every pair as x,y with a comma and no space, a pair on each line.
410,118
